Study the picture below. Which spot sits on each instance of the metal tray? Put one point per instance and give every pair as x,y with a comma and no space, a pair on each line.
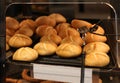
77,61
109,26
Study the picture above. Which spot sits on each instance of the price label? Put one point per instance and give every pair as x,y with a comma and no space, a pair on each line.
61,73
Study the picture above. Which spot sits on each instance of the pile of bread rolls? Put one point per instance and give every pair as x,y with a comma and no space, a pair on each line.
57,36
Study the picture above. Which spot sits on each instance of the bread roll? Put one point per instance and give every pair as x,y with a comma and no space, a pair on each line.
25,54
94,38
65,30
58,17
12,23
97,59
30,23
73,32
96,46
45,30
68,50
62,26
45,48
90,37
45,20
62,29
25,30
20,40
75,23
76,39
52,37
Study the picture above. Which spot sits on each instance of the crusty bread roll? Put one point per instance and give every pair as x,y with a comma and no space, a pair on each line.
45,48
25,54
64,30
45,30
12,23
76,39
75,23
97,59
72,32
96,46
62,26
30,23
20,40
68,50
25,30
59,18
45,20
90,37
94,38
52,37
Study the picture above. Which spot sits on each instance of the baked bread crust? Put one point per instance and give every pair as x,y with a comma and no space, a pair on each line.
45,30
45,20
51,37
30,23
25,30
12,23
75,23
96,46
25,54
97,59
75,39
20,40
58,17
45,48
68,50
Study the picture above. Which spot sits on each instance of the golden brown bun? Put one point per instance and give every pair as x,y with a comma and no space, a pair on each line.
76,39
30,23
68,50
58,17
96,46
45,30
62,29
25,54
52,37
10,32
73,32
45,48
97,59
7,47
94,38
12,23
75,23
25,30
65,30
62,26
45,20
20,40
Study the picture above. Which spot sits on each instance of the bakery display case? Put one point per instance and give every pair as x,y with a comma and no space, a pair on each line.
53,41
